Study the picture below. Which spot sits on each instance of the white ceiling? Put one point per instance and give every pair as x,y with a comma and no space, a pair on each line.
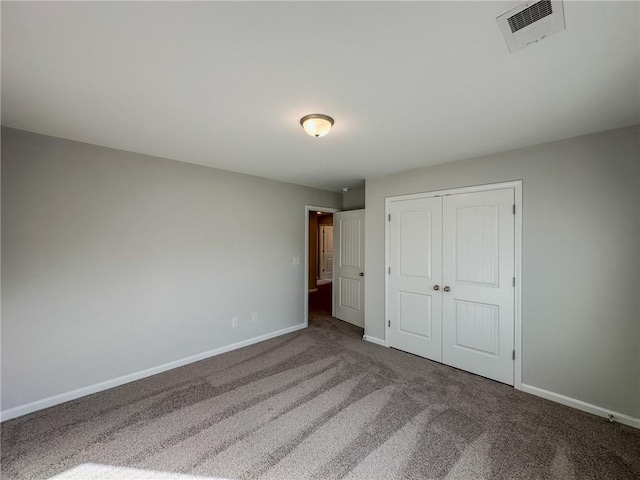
225,84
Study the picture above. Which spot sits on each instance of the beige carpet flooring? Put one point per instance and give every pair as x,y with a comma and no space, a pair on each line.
316,404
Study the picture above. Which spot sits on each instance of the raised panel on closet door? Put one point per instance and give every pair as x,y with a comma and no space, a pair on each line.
415,268
478,294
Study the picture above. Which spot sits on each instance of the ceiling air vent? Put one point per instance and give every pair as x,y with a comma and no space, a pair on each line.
531,22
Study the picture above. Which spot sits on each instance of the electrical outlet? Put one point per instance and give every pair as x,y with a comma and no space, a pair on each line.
254,318
296,260
234,322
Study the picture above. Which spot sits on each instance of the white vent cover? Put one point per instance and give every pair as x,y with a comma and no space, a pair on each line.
531,22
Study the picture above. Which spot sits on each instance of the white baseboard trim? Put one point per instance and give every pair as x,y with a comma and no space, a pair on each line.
375,340
580,405
115,382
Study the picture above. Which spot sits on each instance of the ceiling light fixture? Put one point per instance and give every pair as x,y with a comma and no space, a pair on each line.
316,124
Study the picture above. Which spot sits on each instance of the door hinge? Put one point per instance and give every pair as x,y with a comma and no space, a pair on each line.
514,281
514,208
389,322
389,270
513,356
389,217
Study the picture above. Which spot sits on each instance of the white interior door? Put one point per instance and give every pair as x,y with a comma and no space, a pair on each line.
326,252
415,276
478,289
450,283
348,285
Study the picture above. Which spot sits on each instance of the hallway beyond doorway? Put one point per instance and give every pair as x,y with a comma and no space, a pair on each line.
320,300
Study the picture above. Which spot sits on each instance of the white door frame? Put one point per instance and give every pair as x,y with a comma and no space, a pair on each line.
517,187
307,209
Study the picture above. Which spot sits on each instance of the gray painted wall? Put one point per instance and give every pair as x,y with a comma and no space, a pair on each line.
115,262
581,318
354,199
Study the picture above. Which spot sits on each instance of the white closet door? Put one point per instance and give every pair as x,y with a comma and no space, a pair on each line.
348,247
478,267
415,262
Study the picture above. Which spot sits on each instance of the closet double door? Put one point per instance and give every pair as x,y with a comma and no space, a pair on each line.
450,289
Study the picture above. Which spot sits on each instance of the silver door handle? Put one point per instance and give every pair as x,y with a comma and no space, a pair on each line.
447,288
436,287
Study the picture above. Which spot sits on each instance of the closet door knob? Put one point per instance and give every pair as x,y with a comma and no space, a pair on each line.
436,287
447,288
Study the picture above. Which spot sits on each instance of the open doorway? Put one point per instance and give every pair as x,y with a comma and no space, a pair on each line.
319,262
320,292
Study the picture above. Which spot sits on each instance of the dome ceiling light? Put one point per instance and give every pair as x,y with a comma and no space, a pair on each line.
316,124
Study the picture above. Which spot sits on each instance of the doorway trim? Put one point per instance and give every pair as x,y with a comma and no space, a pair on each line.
307,209
517,187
